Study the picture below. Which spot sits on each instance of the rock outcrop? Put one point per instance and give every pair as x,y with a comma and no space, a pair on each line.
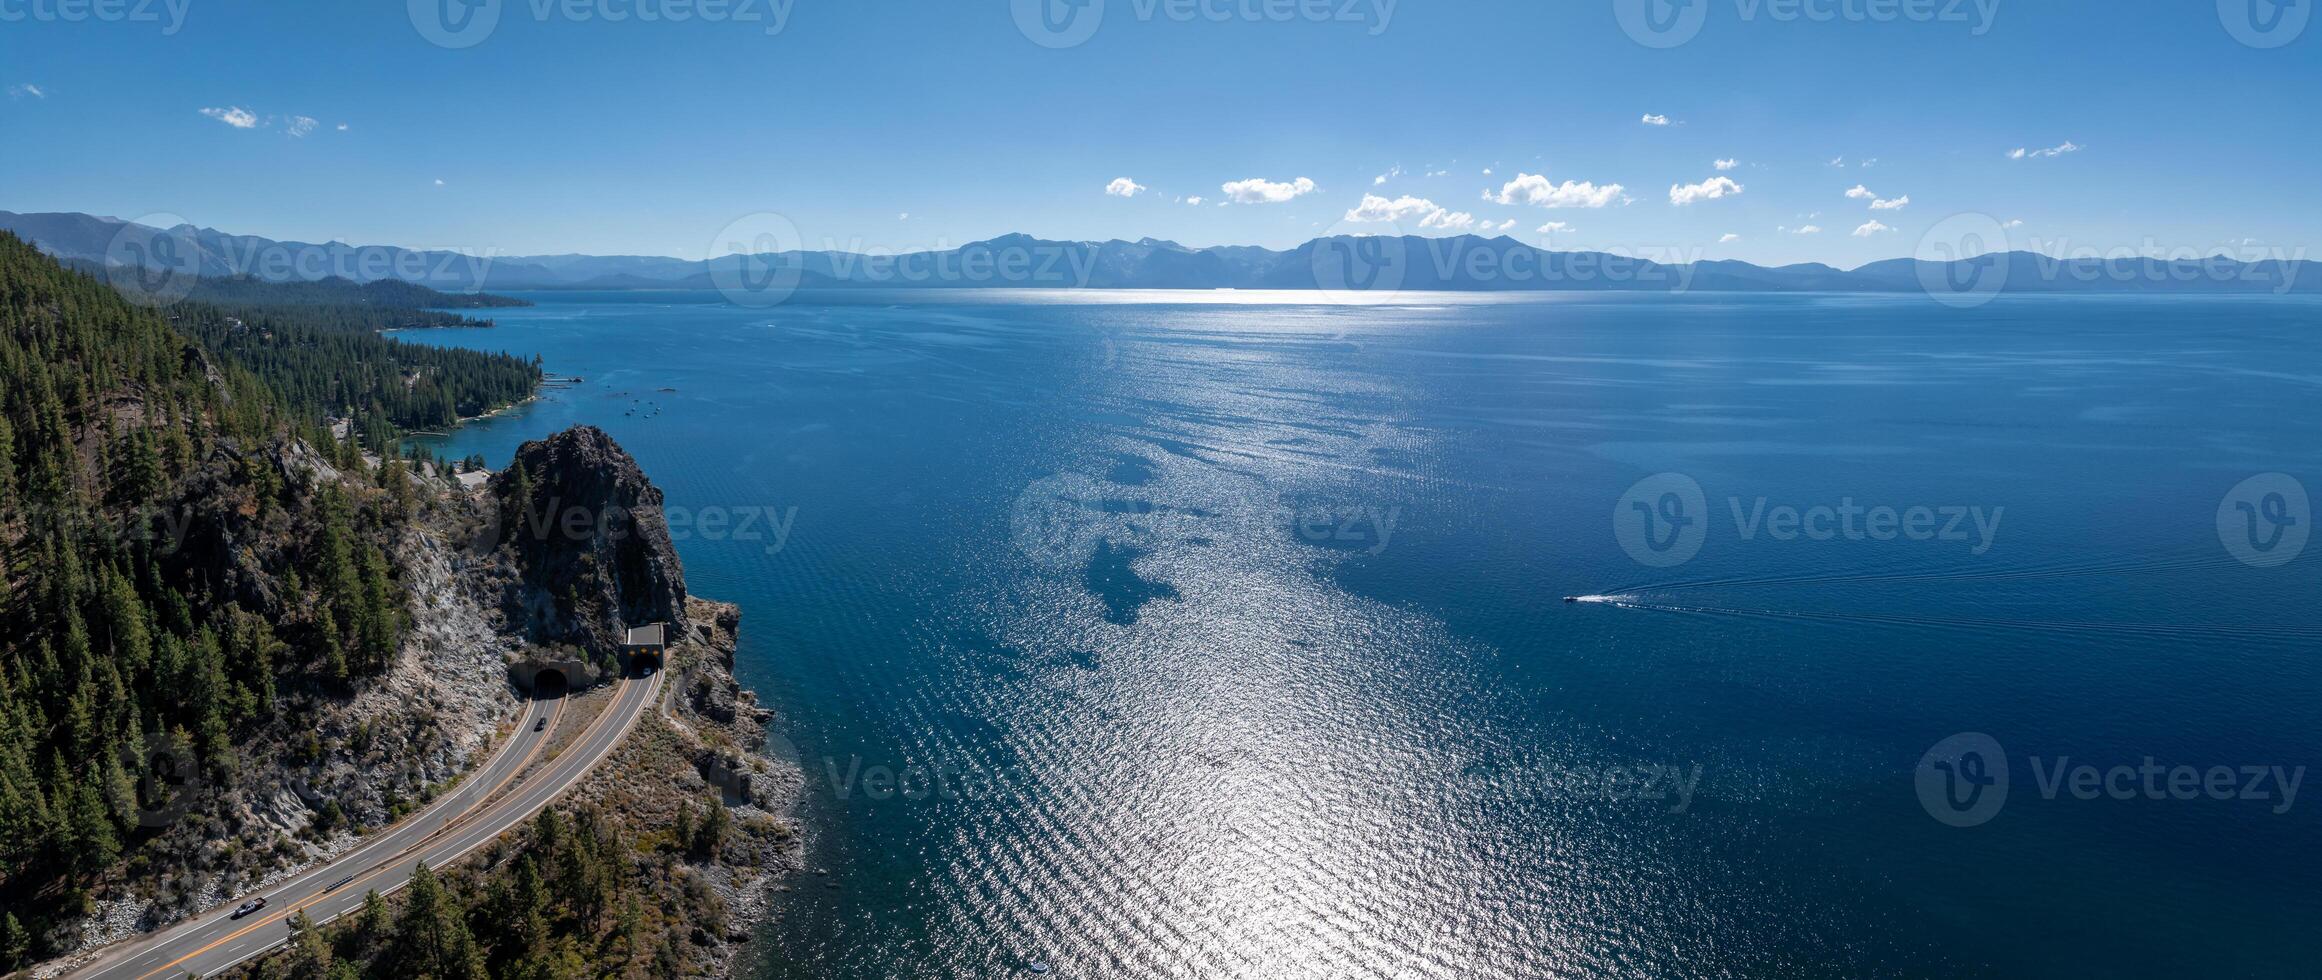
587,551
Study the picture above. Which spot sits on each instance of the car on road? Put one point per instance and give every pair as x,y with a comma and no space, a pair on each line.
336,884
248,907
541,725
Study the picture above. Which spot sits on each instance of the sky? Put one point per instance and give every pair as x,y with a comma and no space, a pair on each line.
1705,128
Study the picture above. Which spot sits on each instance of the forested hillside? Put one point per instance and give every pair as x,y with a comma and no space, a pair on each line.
569,896
178,570
385,294
326,362
317,346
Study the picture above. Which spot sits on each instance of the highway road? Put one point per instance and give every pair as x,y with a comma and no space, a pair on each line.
461,821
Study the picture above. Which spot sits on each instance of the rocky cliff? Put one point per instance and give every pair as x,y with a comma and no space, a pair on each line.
586,549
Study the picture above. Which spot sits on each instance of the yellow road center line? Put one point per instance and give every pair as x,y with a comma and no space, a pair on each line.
271,918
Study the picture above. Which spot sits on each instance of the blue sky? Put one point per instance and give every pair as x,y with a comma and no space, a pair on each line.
561,130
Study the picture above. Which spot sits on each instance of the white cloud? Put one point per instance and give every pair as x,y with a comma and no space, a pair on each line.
300,125
1124,187
1259,191
1376,208
1194,200
20,91
1896,204
1505,225
2013,223
1406,208
1708,190
1869,228
439,182
1869,163
1652,119
1805,230
234,116
1439,173
1534,189
1555,226
1448,220
1839,162
342,127
1728,237
2058,150
1860,192
1392,173
1728,163
905,216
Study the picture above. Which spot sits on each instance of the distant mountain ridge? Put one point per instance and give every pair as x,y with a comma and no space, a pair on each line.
1351,264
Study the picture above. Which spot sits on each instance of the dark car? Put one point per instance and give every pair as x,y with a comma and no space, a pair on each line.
540,725
248,907
335,885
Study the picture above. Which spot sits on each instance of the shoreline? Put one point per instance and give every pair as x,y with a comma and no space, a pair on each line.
708,738
505,409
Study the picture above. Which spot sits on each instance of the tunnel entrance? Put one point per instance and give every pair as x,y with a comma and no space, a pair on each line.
545,679
644,663
642,650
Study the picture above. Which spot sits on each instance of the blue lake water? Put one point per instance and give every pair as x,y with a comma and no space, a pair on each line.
1180,635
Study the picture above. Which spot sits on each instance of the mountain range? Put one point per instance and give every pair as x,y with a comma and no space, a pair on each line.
1339,263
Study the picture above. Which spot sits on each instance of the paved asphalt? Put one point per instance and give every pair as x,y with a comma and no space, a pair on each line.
461,821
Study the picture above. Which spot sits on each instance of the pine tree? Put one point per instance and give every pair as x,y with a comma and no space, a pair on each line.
309,955
15,942
335,671
710,837
97,841
432,937
7,459
382,617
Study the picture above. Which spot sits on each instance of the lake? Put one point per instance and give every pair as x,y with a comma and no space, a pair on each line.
1224,635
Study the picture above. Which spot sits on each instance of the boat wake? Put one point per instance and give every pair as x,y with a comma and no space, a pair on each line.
1658,598
2245,631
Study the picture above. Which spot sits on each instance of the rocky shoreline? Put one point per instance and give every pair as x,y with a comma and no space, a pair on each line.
705,742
